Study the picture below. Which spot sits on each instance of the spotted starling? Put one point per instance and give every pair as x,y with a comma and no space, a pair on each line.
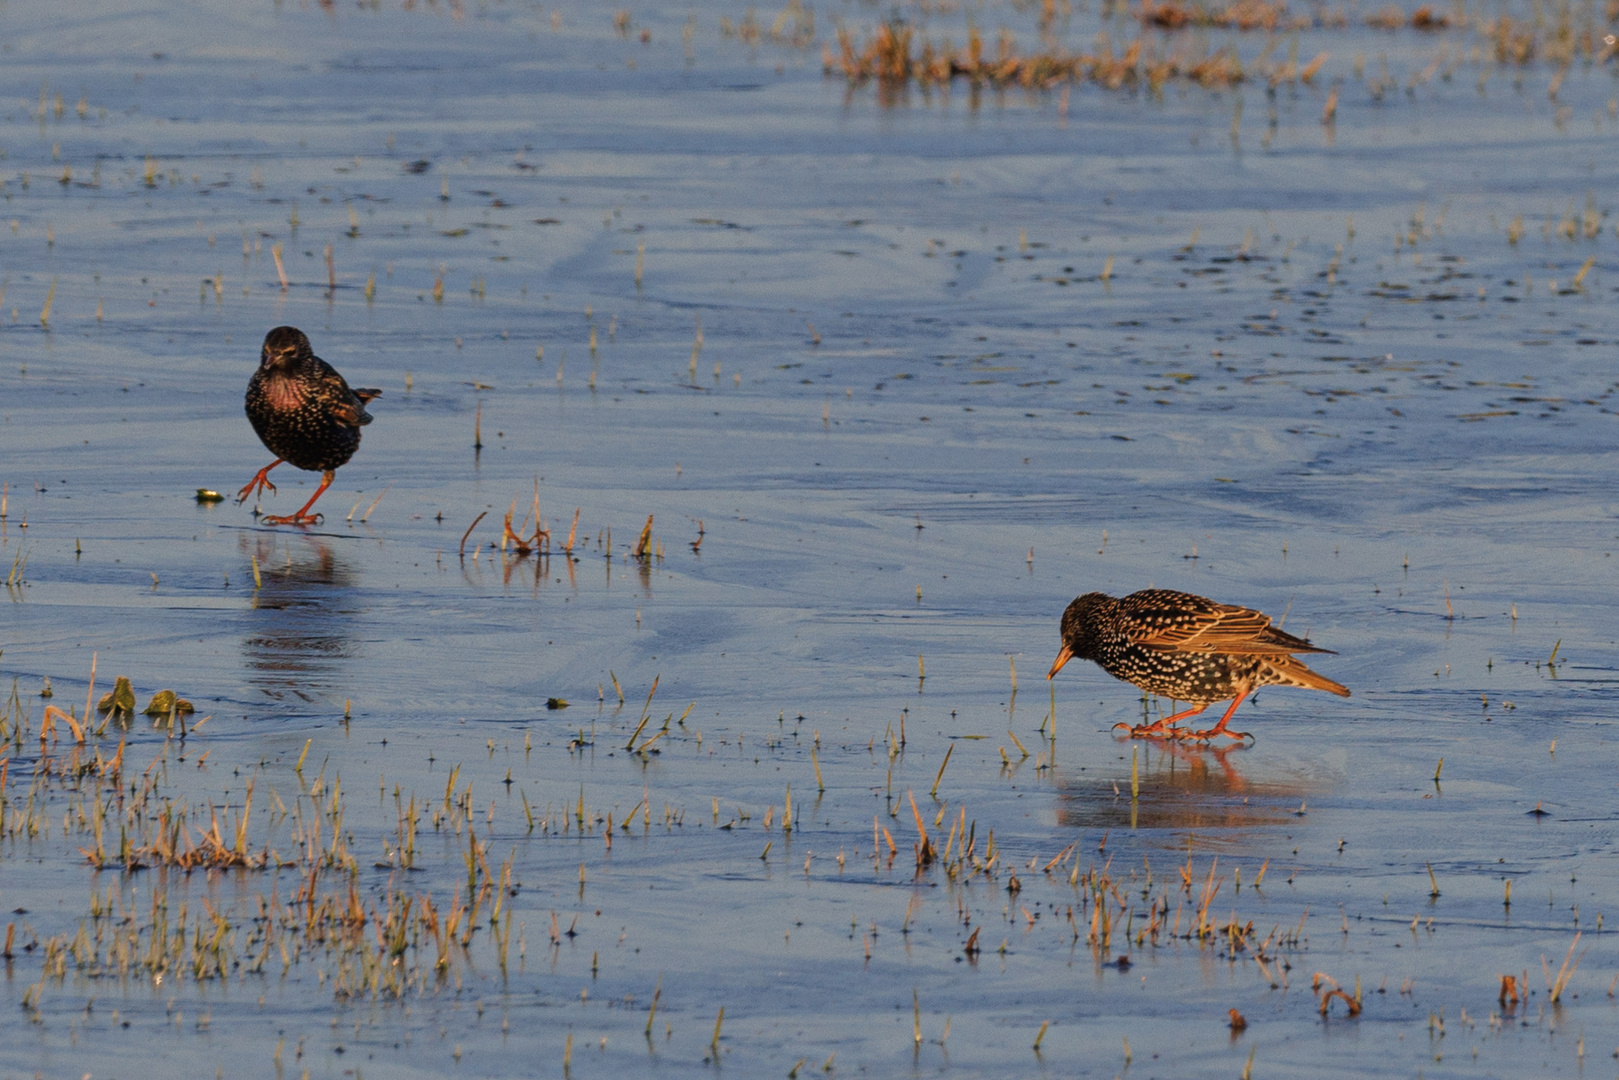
305,413
1185,648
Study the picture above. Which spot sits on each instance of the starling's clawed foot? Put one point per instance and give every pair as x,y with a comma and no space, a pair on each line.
258,483
1163,732
1214,732
1158,730
1220,729
302,516
299,518
1162,728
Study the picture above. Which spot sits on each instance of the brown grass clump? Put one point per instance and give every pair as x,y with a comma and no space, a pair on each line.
1167,16
793,26
1238,15
524,544
1389,17
1290,71
521,541
894,56
173,847
1259,15
1426,18
1514,41
1217,69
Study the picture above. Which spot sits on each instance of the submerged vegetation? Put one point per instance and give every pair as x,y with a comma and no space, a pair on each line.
381,938
892,55
901,51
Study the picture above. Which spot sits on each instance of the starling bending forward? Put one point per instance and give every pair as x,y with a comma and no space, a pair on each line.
1185,648
305,413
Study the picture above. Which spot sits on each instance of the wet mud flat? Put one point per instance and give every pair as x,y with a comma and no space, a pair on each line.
896,368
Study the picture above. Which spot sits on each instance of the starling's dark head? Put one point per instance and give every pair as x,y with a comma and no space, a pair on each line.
285,348
1079,625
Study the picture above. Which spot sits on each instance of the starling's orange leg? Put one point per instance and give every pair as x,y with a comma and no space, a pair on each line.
303,517
261,481
1220,728
1161,727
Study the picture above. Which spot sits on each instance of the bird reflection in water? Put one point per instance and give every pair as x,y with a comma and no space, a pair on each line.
301,624
1184,788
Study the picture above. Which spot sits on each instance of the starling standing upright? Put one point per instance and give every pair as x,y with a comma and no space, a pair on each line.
305,413
1185,648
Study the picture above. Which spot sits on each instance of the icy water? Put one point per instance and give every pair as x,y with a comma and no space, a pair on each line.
895,372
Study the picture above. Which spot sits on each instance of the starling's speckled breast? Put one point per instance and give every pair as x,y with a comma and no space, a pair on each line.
301,408
1191,677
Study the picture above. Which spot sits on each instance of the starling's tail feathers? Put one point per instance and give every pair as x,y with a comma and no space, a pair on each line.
1294,673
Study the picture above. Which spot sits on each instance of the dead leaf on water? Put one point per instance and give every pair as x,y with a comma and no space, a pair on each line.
121,699
165,702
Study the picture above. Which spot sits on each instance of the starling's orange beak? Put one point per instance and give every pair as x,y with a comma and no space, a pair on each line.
1063,657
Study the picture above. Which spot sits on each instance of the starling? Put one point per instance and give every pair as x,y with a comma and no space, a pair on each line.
1185,648
305,413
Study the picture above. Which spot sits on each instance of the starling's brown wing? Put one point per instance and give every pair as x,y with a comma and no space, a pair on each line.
346,406
343,404
363,394
1181,622
349,413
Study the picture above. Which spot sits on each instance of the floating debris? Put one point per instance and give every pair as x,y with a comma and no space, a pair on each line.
120,700
166,703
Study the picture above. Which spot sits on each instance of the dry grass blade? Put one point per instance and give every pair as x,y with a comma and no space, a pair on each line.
53,714
1585,268
468,533
374,503
925,853
642,546
1571,964
1352,1005
646,713
934,792
572,530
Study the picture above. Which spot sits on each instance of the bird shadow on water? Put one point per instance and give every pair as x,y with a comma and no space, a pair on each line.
299,631
1182,790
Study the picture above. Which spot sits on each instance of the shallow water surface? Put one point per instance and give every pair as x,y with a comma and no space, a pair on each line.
894,372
